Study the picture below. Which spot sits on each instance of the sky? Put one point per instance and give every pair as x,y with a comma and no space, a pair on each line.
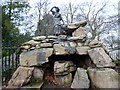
61,3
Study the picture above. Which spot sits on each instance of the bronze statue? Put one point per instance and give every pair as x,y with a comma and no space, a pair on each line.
58,21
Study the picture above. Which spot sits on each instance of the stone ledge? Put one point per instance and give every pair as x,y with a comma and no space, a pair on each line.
32,58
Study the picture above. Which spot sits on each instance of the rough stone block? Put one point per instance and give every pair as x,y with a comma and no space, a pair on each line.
79,32
45,45
64,80
100,58
80,79
63,67
59,50
48,52
83,50
39,38
95,43
31,42
104,78
32,58
21,77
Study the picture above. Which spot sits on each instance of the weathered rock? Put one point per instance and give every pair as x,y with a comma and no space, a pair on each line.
62,37
79,44
32,48
75,25
103,78
52,37
45,41
79,32
82,50
100,58
38,74
59,49
74,38
64,80
37,46
95,43
70,50
80,79
21,77
45,45
52,40
49,41
64,44
63,67
25,47
39,38
48,52
73,44
31,42
32,58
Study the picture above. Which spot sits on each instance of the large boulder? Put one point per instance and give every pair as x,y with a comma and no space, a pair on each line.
32,58
83,50
104,78
48,52
100,58
79,32
63,67
64,80
20,77
80,79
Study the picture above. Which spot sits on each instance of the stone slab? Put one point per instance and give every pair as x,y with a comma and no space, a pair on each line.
32,58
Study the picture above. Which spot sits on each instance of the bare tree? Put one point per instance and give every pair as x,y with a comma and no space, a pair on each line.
69,12
41,7
98,19
110,40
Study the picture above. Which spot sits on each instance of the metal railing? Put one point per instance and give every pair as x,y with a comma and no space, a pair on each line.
10,61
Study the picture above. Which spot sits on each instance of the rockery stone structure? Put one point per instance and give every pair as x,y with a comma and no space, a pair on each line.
64,61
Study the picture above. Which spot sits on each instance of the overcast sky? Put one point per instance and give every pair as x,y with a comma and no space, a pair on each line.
58,2
61,3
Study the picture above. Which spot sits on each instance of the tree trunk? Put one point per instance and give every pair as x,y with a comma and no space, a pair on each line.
93,34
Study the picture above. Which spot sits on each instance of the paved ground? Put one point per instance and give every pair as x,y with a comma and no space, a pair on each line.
53,87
